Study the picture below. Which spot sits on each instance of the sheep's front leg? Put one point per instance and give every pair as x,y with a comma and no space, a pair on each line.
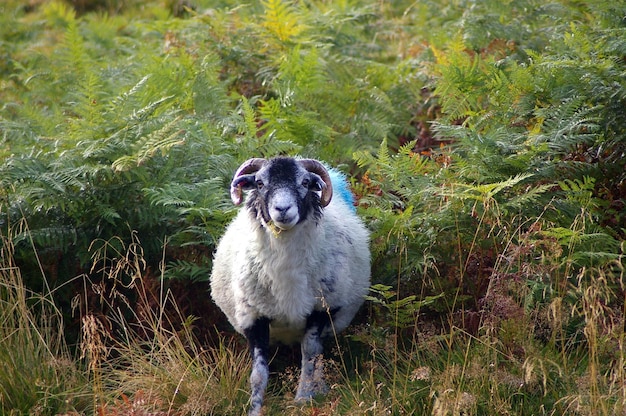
312,371
258,336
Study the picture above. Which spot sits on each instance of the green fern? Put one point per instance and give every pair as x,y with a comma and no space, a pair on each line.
301,70
483,141
187,270
568,125
249,126
461,82
281,20
401,312
159,141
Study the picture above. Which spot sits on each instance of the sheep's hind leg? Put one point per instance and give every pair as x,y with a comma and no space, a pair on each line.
312,371
258,336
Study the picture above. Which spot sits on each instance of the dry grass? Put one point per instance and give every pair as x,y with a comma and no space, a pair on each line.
37,372
143,358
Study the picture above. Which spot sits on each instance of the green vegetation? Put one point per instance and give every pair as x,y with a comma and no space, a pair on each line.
485,142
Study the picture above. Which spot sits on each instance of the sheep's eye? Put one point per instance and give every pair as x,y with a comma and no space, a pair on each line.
259,184
305,183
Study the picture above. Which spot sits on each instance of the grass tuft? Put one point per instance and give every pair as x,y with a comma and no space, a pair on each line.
38,375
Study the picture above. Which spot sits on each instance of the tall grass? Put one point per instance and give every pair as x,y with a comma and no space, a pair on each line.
144,359
530,354
148,365
38,375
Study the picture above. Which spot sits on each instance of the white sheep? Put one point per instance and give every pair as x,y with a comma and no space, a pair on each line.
294,264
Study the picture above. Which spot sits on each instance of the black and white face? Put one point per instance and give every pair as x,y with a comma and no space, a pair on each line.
290,192
283,193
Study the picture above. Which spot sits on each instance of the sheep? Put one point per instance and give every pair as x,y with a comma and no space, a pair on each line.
293,265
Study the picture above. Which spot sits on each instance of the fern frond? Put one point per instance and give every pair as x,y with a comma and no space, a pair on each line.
210,97
365,159
161,141
281,19
568,125
125,97
147,111
463,77
57,237
530,197
207,194
301,70
182,269
168,197
249,126
59,14
75,51
108,214
484,192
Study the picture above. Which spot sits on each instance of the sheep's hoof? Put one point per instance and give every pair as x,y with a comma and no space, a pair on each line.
307,393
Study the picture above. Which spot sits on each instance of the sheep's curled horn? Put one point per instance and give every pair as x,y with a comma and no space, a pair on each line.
247,167
254,164
316,167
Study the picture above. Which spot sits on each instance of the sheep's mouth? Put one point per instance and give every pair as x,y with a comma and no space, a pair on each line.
284,225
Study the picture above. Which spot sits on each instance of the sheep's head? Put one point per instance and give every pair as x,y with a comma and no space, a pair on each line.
285,191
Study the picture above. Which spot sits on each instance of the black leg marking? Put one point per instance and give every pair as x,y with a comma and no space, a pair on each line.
258,336
312,370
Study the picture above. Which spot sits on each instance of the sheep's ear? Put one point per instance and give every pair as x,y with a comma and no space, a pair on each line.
240,184
317,183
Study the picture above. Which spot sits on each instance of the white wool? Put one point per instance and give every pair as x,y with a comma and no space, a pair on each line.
284,276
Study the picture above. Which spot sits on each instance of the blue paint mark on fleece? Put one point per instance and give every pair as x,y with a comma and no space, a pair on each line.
341,188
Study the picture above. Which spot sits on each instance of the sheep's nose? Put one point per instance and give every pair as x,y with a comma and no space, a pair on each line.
282,208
